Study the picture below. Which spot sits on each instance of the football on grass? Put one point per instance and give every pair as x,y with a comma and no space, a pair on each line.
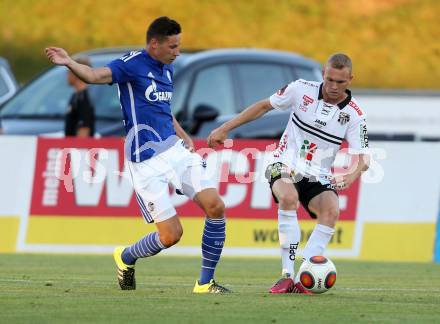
317,274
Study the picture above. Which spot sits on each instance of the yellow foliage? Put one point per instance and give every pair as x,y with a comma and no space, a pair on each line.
393,43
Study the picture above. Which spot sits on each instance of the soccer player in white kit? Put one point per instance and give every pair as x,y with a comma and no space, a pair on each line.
322,116
158,152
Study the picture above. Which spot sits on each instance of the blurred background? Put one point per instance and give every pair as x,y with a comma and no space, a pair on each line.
393,43
235,52
395,48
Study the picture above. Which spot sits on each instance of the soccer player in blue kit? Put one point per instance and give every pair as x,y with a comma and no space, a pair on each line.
158,152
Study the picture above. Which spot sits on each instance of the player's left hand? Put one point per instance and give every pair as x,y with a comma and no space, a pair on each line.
342,182
217,137
189,144
58,56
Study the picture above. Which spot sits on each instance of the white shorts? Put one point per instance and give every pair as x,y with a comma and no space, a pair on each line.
178,167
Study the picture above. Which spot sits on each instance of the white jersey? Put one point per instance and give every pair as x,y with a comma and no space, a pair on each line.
316,129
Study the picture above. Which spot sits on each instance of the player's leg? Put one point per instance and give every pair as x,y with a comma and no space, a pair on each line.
168,233
326,207
289,232
214,233
198,186
156,207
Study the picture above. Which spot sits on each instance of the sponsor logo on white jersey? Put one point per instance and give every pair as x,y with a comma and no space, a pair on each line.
307,151
363,135
326,109
355,107
320,123
306,102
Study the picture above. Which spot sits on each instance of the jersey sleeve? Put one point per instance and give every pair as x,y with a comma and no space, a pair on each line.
357,136
284,98
121,69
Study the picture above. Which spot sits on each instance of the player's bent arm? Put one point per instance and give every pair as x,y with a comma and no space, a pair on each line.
251,113
183,135
364,162
101,75
361,166
345,181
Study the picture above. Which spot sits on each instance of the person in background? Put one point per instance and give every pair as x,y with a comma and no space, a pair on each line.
80,116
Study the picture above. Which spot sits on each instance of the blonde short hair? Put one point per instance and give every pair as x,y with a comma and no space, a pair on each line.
340,61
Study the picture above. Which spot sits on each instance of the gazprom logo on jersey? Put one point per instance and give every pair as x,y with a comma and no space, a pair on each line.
153,95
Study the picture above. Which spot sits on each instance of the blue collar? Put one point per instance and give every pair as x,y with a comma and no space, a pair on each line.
157,64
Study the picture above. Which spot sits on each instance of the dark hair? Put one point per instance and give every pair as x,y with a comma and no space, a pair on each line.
340,61
163,27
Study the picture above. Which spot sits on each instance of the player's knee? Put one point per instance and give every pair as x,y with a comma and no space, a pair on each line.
287,201
329,217
215,208
171,238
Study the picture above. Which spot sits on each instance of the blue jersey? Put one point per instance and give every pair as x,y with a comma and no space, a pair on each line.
145,88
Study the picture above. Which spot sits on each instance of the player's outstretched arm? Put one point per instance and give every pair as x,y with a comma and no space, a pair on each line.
99,75
254,111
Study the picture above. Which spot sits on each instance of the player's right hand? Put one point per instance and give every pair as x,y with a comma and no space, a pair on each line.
217,137
57,55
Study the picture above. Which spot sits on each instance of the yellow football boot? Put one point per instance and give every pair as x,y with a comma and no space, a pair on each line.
126,278
210,288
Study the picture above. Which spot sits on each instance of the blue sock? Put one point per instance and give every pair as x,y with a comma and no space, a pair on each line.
212,246
147,246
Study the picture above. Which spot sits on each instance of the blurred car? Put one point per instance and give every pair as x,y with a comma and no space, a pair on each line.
210,87
8,84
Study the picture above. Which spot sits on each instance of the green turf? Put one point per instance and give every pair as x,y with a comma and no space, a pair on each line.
78,289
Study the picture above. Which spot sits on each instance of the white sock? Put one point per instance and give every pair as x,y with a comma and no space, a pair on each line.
289,235
318,241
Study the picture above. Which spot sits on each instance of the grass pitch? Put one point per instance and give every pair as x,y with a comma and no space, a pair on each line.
78,289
